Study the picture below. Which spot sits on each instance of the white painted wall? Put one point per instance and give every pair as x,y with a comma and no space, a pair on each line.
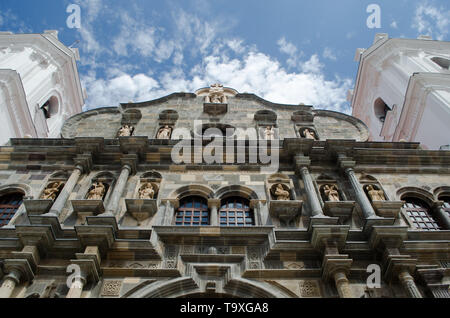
385,72
44,69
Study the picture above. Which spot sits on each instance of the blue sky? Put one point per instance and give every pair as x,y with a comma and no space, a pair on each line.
285,51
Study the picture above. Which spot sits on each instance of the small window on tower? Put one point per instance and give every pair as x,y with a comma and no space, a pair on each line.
50,107
381,109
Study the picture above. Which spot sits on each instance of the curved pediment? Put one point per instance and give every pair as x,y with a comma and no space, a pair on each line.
188,110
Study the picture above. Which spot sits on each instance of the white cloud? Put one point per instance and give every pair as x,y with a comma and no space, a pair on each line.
254,72
394,25
329,53
197,53
432,21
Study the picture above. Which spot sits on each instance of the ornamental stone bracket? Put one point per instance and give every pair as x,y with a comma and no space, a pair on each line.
215,109
21,266
85,208
131,160
383,237
134,145
340,209
295,146
286,211
89,263
141,209
396,264
29,253
323,235
101,236
41,236
37,207
90,145
84,161
388,209
333,264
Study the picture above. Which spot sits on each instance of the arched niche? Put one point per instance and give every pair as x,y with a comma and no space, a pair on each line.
106,179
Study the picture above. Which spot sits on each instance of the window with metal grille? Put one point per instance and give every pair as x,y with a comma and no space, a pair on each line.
9,204
236,212
419,213
446,205
193,211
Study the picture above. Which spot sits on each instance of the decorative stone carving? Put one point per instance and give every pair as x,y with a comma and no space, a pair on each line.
331,192
269,133
375,194
164,132
280,192
111,288
126,131
216,95
309,288
147,191
52,190
97,191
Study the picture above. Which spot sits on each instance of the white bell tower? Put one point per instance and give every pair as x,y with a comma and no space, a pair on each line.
402,90
39,85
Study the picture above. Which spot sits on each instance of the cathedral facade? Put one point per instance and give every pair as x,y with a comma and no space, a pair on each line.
222,194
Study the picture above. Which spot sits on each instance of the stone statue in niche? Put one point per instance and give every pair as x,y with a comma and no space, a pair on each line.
269,133
280,193
97,191
164,132
375,194
331,192
309,134
126,131
146,191
52,191
216,95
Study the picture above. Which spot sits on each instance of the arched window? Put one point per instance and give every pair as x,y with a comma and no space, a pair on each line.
9,204
419,213
446,205
235,211
193,211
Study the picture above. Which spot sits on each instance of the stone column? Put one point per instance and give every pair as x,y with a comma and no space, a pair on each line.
114,200
301,164
76,288
361,196
214,205
408,283
60,202
342,285
311,193
10,282
442,215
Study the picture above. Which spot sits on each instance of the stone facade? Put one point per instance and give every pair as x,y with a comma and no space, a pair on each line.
301,245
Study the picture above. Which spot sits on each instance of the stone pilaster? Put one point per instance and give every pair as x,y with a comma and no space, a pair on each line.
214,205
